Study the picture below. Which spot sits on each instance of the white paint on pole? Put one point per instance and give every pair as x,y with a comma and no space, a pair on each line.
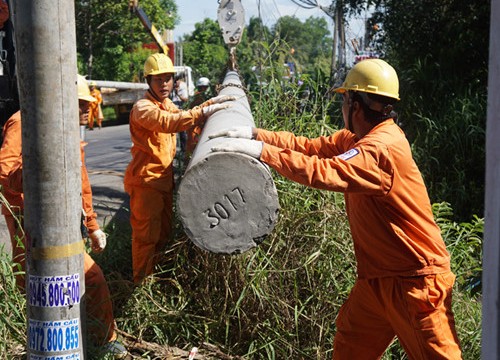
491,250
46,64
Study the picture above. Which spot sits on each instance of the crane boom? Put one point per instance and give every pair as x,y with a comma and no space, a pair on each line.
151,28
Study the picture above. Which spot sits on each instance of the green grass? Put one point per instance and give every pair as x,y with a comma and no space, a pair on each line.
277,301
12,311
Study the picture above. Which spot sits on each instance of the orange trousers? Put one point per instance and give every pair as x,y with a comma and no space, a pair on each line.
101,322
415,309
99,307
151,215
95,114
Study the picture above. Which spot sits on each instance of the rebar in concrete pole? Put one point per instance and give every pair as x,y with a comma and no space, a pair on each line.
491,274
227,202
46,62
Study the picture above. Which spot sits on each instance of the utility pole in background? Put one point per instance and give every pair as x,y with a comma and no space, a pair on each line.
336,12
491,250
46,63
338,70
179,53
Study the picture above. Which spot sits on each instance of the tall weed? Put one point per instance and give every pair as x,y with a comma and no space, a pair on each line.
12,312
278,301
446,126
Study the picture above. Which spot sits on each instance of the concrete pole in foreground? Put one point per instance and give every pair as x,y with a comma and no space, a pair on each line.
46,61
227,202
491,247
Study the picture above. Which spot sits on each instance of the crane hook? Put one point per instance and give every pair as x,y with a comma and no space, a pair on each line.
231,17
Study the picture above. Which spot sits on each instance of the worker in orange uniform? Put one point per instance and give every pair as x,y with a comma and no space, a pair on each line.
404,284
154,122
95,110
101,325
201,95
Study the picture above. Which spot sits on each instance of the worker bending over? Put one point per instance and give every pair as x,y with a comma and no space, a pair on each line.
101,323
154,122
404,283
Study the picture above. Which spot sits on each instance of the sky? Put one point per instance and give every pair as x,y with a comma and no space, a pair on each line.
194,11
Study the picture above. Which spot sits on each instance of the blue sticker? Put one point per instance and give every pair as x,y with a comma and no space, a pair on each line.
348,154
54,291
52,336
72,356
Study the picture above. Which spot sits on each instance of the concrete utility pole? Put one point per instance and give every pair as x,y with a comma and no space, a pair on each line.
227,202
491,251
46,60
336,12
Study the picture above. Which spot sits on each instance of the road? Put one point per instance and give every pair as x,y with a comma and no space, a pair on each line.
107,156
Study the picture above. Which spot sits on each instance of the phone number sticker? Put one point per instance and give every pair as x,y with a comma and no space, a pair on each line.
72,356
51,336
54,291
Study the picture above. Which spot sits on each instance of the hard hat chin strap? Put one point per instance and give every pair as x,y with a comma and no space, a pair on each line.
374,111
350,125
384,109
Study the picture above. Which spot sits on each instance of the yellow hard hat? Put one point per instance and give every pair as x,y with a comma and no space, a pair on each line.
83,89
158,64
373,76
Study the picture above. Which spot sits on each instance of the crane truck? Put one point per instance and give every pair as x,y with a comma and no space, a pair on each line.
122,95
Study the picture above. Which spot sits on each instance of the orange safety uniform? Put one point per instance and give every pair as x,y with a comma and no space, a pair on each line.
404,280
95,111
90,217
194,132
149,177
12,189
99,306
193,137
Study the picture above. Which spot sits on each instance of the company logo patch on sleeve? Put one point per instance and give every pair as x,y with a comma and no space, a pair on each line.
349,154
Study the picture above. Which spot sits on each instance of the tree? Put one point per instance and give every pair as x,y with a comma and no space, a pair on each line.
204,50
310,42
450,36
110,38
442,61
337,11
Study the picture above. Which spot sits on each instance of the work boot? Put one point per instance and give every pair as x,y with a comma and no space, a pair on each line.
116,349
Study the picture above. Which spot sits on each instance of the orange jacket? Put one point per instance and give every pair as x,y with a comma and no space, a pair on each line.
90,220
389,211
11,173
11,164
194,132
94,105
153,126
